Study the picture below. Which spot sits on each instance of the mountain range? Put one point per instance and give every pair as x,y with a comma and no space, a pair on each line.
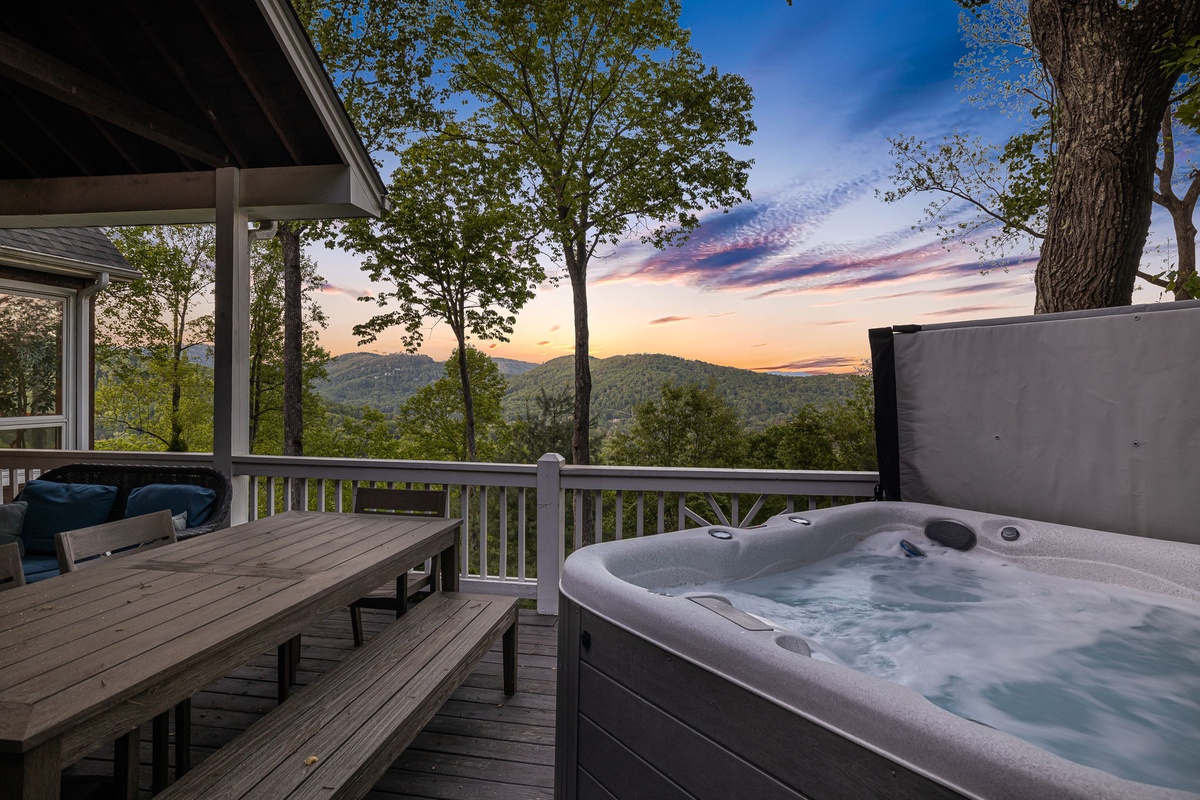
618,384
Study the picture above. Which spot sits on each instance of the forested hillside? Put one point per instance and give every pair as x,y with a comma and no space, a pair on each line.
621,382
384,382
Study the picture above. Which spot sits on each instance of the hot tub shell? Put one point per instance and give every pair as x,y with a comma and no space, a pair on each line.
662,696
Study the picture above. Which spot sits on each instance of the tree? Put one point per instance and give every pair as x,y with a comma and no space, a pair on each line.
1098,213
30,356
377,53
687,426
836,436
455,247
546,430
616,123
146,328
267,368
431,421
1011,186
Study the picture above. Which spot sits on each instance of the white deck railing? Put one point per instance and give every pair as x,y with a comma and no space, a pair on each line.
519,520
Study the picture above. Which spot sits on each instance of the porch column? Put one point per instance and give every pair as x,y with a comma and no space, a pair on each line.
231,337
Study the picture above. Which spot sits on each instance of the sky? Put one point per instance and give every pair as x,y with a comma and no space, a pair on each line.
792,280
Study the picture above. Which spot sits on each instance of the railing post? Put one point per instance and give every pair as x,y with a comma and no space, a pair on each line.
551,530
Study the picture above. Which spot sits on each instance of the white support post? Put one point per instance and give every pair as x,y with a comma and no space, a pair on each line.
231,338
551,531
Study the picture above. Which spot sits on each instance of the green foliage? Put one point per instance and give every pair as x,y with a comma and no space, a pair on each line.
144,330
544,430
379,54
454,246
431,421
687,426
836,436
31,351
381,382
614,121
621,382
154,391
1186,57
266,346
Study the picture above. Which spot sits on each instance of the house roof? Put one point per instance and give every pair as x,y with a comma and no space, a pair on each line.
67,251
122,114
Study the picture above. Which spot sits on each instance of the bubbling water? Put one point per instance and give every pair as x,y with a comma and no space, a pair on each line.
1102,675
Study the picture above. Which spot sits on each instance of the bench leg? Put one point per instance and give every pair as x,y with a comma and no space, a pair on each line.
284,657
356,625
160,751
294,664
183,738
510,660
125,765
401,594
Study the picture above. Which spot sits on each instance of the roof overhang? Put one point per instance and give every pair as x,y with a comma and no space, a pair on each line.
271,193
125,116
60,265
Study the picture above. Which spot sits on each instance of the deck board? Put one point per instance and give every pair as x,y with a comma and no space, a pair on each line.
480,744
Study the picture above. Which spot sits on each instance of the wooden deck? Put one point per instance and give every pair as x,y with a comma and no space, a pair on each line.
480,745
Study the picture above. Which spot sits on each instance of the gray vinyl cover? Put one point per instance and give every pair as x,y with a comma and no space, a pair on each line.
1088,419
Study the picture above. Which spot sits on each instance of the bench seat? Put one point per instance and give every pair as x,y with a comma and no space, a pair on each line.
361,715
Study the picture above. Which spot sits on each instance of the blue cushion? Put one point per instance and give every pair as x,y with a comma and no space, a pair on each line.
38,568
56,507
177,498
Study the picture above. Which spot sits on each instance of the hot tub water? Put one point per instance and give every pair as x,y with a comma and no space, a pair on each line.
1105,676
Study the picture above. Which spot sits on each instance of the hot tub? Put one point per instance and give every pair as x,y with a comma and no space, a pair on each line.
674,694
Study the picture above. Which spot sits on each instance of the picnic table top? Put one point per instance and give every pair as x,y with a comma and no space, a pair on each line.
90,655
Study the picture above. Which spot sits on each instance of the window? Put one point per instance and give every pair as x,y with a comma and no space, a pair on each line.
33,366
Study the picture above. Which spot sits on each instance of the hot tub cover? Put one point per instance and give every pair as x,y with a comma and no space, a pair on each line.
1082,418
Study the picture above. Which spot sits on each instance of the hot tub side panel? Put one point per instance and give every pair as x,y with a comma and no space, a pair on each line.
635,721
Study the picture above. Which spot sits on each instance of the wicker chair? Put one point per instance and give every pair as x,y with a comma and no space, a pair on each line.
127,477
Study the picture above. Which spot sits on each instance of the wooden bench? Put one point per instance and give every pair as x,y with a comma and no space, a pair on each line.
360,716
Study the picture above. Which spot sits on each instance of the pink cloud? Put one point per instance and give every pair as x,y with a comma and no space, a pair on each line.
668,320
329,288
819,364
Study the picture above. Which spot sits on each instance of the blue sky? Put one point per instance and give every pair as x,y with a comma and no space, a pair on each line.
792,280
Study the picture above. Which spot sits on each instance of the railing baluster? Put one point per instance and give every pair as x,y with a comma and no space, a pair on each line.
271,496
641,511
340,489
522,557
620,514
577,498
483,531
812,503
464,502
599,501
503,574
662,512
321,494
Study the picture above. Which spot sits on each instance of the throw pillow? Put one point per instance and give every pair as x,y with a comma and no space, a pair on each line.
56,507
177,498
12,517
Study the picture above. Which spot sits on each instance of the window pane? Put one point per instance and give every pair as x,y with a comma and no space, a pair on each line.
49,438
31,355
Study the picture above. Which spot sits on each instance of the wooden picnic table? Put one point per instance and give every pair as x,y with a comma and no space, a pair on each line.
89,656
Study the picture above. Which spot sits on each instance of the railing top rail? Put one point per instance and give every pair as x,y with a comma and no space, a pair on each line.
696,479
43,459
373,469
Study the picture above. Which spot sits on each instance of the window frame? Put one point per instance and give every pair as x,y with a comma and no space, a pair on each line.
66,421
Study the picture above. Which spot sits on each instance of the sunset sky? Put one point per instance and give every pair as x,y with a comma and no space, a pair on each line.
793,280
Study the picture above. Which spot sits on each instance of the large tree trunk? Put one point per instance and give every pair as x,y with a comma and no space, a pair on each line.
293,350
464,376
1113,91
580,436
